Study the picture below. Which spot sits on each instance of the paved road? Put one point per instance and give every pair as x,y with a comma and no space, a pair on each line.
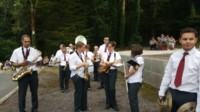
7,86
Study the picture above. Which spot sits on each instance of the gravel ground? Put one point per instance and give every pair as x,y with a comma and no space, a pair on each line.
52,100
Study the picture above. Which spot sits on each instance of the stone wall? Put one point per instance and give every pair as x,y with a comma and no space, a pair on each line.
153,70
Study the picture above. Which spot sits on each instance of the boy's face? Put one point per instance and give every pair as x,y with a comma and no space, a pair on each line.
188,41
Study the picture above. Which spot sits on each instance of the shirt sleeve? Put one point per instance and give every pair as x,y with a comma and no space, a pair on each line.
72,62
118,56
13,57
166,78
140,61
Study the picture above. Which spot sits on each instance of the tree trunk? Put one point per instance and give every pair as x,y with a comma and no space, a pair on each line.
33,10
192,9
122,24
135,36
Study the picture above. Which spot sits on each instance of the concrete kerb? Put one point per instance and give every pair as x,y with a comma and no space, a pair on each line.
13,91
8,95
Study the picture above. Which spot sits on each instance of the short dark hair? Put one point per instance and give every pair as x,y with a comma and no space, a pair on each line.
189,30
87,46
79,44
113,43
63,44
25,35
136,49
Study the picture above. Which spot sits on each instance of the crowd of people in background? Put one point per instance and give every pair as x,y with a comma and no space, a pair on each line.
162,42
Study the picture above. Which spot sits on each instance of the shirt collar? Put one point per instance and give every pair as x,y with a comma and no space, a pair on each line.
192,51
26,48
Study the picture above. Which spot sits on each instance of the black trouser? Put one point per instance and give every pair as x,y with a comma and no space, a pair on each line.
133,89
80,94
180,97
109,85
32,81
64,77
88,81
96,74
101,78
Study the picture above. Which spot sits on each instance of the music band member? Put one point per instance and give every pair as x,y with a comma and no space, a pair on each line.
77,66
56,60
88,56
108,59
19,59
134,76
182,72
96,60
103,49
64,74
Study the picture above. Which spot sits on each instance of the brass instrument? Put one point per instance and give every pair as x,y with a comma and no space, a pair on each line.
86,73
96,56
25,70
167,102
102,69
188,107
83,39
65,68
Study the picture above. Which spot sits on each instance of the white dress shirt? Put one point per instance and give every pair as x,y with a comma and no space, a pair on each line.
18,57
114,56
74,61
191,72
89,61
101,50
59,52
137,76
62,60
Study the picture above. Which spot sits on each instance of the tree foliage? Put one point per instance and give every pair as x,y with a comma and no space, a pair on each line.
125,21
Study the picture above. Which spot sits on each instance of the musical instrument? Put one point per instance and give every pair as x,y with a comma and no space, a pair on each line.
83,39
103,69
65,68
96,56
25,70
188,107
167,102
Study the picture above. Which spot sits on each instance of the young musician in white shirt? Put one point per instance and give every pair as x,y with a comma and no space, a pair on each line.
134,76
19,59
88,56
103,49
109,78
182,72
78,65
64,73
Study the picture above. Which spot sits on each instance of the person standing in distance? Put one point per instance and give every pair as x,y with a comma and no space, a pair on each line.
103,49
109,59
181,74
77,65
134,76
19,59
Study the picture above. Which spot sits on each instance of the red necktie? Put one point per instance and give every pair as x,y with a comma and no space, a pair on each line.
179,73
105,48
27,53
64,57
108,57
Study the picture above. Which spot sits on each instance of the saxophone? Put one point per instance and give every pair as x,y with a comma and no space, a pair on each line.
86,73
25,70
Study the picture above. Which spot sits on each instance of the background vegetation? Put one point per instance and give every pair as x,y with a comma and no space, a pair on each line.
125,21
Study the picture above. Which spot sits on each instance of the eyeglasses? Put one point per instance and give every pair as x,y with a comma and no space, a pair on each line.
109,46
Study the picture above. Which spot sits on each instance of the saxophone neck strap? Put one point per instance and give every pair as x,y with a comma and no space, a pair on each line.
23,53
